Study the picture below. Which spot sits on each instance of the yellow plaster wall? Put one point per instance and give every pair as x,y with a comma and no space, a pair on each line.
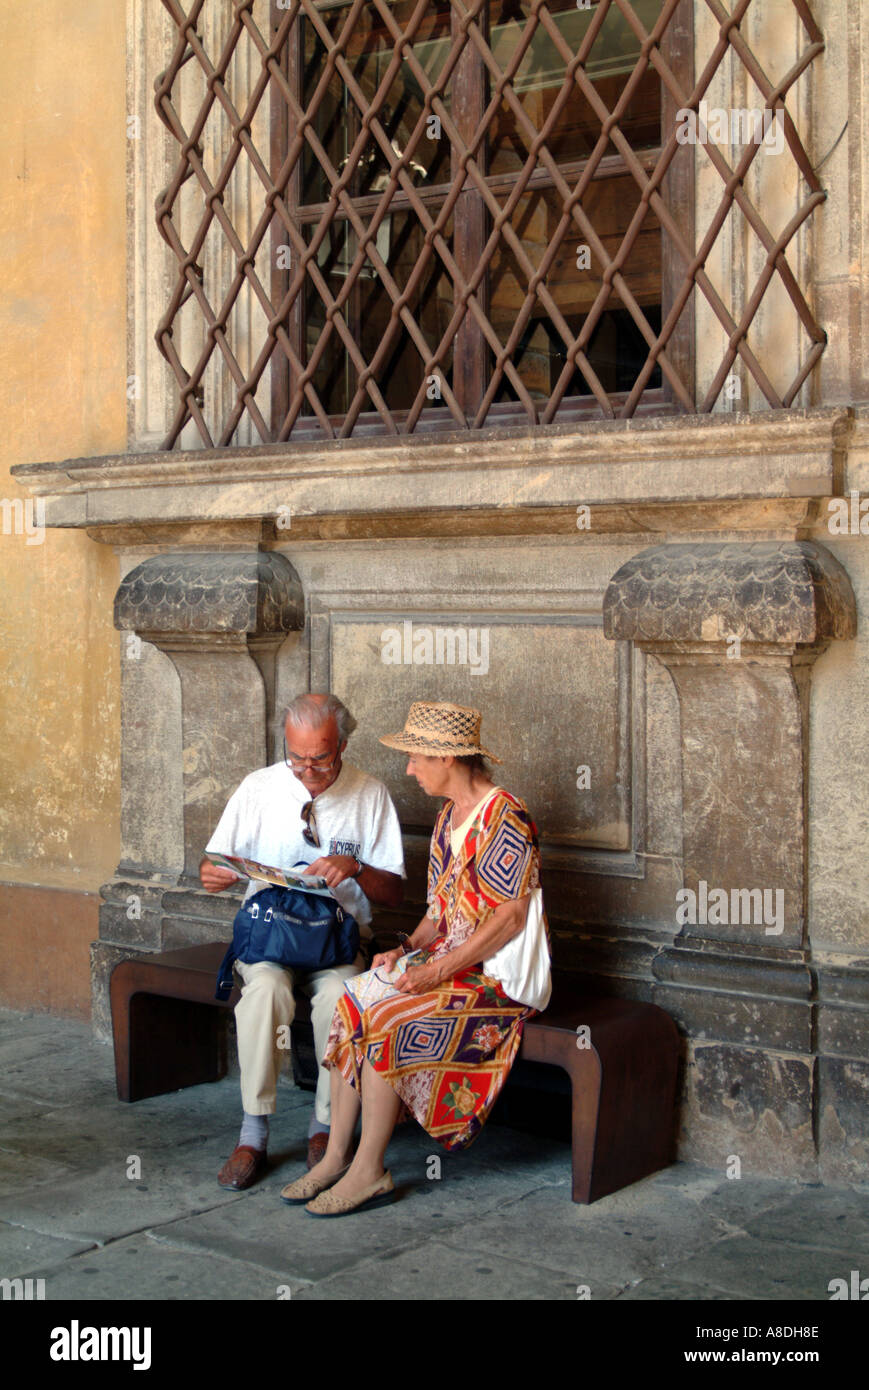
62,394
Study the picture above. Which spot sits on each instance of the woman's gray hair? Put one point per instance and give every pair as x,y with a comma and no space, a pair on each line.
312,711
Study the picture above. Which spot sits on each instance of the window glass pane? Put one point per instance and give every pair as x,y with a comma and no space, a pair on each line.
338,118
617,350
367,315
541,73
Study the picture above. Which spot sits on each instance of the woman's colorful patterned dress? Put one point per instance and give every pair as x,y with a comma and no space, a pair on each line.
447,1052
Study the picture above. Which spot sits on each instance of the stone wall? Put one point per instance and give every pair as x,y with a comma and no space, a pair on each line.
677,678
62,348
645,662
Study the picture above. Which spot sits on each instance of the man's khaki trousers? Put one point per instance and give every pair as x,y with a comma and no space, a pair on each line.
263,1016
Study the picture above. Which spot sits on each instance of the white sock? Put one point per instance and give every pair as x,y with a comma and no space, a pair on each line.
255,1131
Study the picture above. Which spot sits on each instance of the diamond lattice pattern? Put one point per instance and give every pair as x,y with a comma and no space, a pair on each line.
425,214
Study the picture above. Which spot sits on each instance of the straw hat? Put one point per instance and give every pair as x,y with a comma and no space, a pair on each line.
440,729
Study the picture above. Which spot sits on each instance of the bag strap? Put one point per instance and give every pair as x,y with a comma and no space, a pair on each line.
224,975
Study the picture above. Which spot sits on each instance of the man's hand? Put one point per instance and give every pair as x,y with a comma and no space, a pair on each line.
419,979
215,879
334,868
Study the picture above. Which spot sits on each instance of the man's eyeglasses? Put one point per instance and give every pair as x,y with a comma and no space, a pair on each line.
321,764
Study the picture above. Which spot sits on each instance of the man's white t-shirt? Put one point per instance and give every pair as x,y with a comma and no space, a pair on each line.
355,816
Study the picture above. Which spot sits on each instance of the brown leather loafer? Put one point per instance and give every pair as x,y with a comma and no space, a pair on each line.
242,1168
316,1149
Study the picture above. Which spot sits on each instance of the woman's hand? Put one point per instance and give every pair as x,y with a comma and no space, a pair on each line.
387,958
419,979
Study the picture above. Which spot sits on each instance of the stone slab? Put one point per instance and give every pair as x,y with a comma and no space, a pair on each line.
632,1234
16,1169
772,1270
835,1219
139,1269
200,1122
667,1288
260,1227
844,1134
761,1022
74,1075
104,1204
16,1024
22,1251
436,1271
735,1202
747,1103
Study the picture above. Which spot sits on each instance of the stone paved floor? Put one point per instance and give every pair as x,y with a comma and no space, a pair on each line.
497,1224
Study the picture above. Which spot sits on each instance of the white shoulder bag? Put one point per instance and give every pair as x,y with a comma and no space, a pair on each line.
522,967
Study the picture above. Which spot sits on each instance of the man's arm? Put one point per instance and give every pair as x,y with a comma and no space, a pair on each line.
379,885
213,878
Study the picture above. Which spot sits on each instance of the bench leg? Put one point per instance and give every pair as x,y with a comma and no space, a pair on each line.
584,1073
625,1114
170,1044
584,1070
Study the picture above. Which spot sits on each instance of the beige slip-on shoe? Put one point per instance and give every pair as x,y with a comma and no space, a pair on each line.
330,1204
303,1189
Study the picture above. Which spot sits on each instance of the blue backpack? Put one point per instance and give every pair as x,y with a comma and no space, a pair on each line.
291,928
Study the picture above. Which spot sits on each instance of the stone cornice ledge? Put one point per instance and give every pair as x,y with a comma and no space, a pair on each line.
773,454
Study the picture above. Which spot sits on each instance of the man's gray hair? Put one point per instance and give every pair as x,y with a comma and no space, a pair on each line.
312,711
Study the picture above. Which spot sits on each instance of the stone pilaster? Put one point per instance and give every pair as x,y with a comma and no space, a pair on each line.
219,618
738,627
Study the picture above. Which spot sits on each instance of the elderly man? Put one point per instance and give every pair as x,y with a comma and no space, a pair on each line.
312,808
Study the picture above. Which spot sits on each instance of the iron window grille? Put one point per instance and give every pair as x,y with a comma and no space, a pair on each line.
472,212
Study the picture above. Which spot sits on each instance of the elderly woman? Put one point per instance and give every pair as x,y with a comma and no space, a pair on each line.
437,1033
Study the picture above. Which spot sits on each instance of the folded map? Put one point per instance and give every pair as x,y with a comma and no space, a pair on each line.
374,986
281,878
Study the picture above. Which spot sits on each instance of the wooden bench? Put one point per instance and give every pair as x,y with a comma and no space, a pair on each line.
168,1035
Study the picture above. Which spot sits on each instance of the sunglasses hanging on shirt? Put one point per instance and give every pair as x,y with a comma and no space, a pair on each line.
310,833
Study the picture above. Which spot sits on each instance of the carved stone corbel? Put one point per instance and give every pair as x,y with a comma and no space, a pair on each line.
738,627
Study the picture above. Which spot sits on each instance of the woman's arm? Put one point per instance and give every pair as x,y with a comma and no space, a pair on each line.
425,932
422,935
505,922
